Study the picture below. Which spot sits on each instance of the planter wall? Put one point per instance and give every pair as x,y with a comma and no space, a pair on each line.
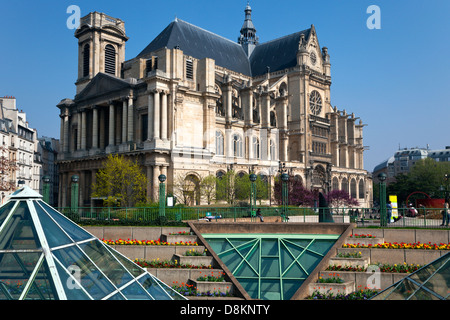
154,252
334,288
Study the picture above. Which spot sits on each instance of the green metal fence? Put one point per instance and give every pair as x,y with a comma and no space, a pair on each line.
364,217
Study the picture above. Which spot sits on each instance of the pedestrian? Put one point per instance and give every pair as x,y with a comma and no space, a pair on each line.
445,214
389,211
258,214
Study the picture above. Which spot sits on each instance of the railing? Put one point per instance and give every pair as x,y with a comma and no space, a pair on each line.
363,217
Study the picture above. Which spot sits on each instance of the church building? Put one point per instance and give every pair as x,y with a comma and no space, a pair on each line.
193,103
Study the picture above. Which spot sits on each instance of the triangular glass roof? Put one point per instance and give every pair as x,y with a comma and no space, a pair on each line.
271,266
431,282
45,256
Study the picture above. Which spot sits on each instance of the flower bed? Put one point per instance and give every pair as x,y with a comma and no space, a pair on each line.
395,268
190,290
157,263
362,236
401,245
218,277
134,242
362,294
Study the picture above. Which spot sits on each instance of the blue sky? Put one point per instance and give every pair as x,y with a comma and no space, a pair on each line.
396,79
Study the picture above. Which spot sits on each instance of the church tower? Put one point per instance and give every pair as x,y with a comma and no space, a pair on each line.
248,38
101,47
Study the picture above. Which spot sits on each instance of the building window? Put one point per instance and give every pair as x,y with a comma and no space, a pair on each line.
335,184
272,150
353,188
144,126
315,103
219,144
361,189
189,70
255,145
237,145
86,59
110,59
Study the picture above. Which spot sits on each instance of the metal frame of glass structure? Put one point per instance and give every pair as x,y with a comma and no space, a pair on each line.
431,282
271,266
45,256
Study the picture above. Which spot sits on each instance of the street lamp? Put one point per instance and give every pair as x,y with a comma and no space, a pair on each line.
284,188
383,213
162,195
46,189
74,193
252,178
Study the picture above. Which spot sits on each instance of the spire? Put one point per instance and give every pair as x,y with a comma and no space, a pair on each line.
248,38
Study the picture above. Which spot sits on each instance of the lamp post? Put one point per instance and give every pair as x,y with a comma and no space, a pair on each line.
46,189
252,178
284,188
74,193
383,213
162,195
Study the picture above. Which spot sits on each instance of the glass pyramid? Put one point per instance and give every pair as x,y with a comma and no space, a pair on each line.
271,266
45,256
431,282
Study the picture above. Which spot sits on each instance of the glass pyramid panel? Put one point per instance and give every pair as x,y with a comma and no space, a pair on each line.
53,233
15,271
270,266
72,229
18,231
71,287
42,287
97,252
91,279
5,210
430,282
135,292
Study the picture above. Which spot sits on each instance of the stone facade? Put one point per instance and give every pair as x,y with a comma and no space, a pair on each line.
188,110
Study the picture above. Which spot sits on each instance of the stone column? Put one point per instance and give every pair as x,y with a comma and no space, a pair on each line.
83,130
265,110
111,125
130,133
156,115
124,120
78,146
95,127
66,133
150,116
164,115
102,128
155,182
228,103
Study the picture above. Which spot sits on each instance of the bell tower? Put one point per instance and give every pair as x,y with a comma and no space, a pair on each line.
101,47
248,39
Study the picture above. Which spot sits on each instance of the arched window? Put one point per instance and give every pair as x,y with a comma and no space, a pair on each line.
315,103
255,145
219,144
353,188
344,184
237,145
361,189
86,59
335,184
272,150
110,59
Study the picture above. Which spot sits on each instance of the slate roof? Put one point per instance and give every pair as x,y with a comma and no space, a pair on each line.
277,54
200,44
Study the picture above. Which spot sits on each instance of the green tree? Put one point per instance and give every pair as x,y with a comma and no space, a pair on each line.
121,182
208,188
